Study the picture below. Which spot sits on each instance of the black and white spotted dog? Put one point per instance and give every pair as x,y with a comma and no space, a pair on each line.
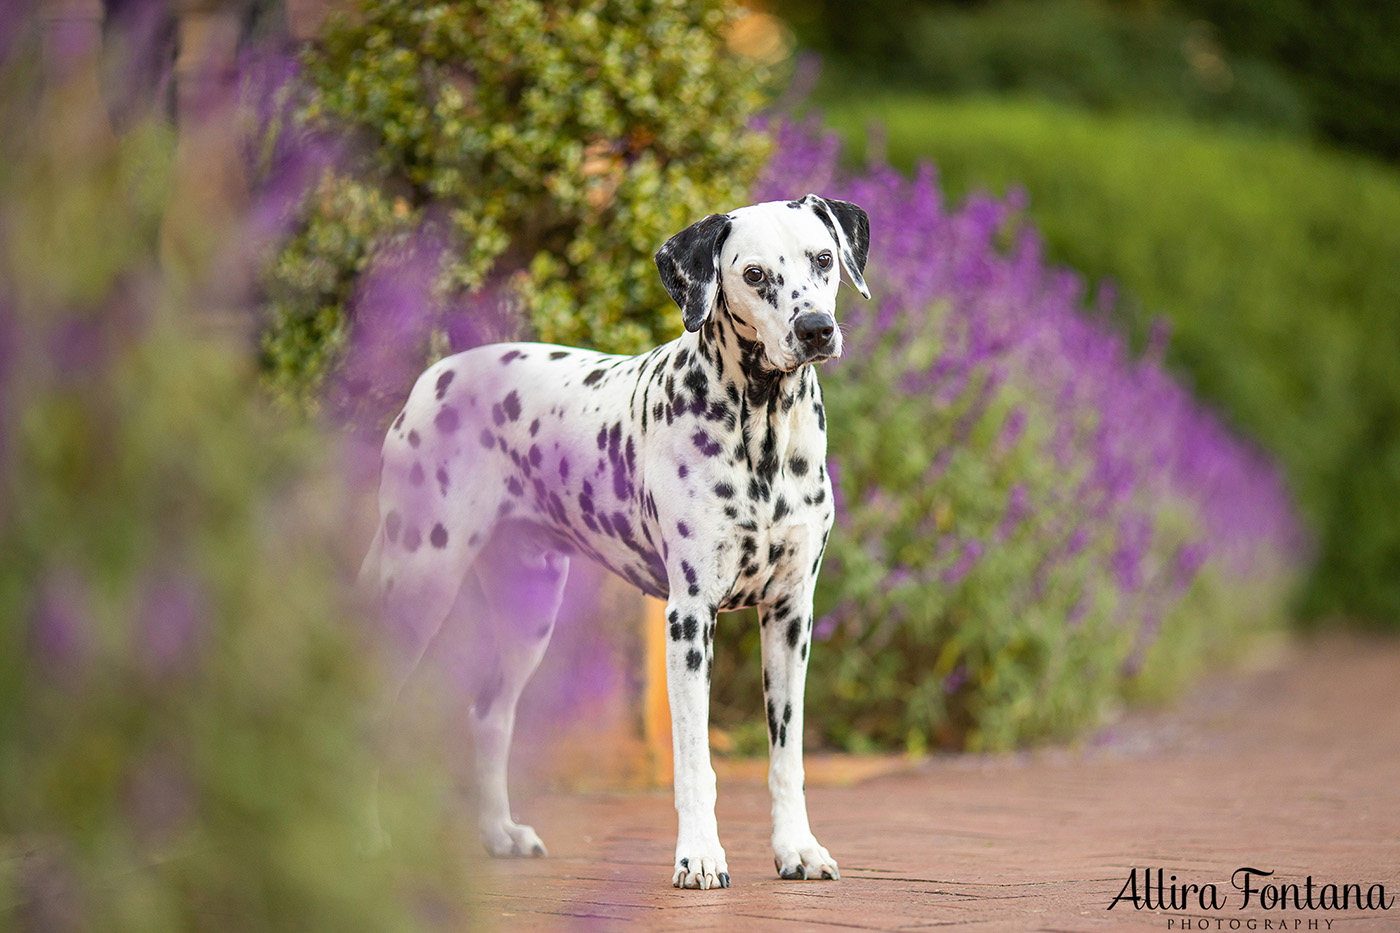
696,471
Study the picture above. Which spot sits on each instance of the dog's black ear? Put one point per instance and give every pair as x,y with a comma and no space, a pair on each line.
689,267
850,228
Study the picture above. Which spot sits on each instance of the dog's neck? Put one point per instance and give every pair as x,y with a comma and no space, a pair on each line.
768,409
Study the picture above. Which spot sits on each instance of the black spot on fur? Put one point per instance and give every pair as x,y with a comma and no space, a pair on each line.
594,376
442,480
558,354
693,659
447,420
683,529
443,382
411,540
438,537
512,405
487,438
682,470
536,458
615,442
487,696
515,486
724,490
798,465
564,468
413,439
603,437
794,631
534,427
780,509
705,444
697,383
498,414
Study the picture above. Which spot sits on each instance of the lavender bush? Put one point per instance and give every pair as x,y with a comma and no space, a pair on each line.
186,689
1032,524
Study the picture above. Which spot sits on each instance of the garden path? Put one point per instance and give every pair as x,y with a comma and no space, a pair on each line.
1289,765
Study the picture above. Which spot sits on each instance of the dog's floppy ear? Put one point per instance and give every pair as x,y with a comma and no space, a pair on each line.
689,267
850,227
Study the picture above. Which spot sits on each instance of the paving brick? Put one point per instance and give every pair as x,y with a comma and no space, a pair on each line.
1290,767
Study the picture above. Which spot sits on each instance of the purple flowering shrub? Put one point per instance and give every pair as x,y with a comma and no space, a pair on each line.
1031,522
185,690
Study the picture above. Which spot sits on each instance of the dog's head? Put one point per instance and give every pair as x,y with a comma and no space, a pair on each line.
776,266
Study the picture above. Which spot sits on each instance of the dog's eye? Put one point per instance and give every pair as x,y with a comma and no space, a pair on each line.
824,259
753,275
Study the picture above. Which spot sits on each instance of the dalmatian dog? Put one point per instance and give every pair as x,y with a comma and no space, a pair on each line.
696,471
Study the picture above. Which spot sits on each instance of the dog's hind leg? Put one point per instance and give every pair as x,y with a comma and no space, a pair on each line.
421,553
523,585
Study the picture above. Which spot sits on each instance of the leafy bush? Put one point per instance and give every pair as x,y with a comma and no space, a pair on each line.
1102,56
1032,524
1276,265
550,148
184,694
1341,55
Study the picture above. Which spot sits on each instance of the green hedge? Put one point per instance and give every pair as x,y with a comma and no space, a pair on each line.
1341,55
1275,262
1109,57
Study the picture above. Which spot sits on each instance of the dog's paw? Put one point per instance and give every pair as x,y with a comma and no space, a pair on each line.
701,866
800,859
512,840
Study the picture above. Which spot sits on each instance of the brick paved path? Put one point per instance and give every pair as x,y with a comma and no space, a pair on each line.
1291,767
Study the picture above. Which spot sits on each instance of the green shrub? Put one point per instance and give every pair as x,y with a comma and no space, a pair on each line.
552,147
1102,56
1275,263
1341,55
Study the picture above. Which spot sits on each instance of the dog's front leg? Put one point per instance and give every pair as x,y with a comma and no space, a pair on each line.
699,856
786,638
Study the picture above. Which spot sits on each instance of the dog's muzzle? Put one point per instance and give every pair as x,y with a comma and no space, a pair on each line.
816,334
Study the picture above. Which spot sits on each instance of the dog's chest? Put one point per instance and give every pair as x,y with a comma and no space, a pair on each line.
775,536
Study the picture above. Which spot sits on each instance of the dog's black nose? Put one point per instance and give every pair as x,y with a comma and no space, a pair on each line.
814,329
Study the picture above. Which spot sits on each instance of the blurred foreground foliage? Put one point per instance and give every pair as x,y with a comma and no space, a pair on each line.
184,689
552,148
1277,264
